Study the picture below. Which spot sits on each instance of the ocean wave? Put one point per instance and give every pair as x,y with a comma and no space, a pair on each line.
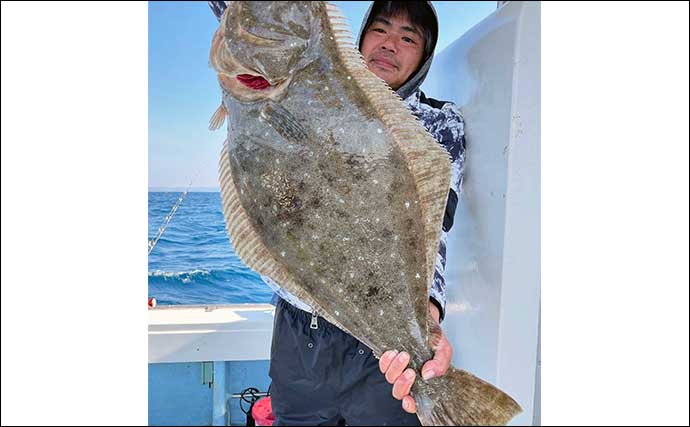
184,275
203,275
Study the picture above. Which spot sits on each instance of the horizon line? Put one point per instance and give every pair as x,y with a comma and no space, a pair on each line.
180,189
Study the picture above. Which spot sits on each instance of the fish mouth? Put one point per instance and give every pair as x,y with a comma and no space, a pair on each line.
253,81
248,86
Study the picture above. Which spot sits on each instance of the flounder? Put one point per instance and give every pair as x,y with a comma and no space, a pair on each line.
333,189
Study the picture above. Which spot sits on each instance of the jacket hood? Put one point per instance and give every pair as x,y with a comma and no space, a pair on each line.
417,78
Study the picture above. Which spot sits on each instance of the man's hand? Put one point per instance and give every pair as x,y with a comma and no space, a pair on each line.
393,365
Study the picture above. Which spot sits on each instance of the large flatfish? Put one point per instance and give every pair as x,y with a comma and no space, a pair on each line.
333,189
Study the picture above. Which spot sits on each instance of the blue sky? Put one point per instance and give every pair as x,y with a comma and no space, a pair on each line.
184,93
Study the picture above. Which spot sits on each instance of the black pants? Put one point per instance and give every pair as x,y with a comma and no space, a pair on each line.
326,377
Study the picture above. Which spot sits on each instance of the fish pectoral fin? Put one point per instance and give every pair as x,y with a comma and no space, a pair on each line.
283,122
218,118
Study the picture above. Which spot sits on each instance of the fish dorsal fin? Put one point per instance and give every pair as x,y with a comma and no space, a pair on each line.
428,161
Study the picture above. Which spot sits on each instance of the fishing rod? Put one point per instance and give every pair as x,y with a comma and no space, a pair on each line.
168,217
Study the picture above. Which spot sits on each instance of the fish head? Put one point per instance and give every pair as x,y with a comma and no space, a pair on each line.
259,46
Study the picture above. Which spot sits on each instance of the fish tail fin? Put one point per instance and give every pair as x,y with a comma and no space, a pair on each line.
477,402
218,118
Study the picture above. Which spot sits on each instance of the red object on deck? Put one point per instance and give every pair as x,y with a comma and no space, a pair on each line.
152,302
261,412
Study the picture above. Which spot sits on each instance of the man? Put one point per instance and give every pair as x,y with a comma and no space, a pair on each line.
321,375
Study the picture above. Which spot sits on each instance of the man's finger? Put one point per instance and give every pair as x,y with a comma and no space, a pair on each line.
409,405
397,367
430,370
386,359
439,365
402,385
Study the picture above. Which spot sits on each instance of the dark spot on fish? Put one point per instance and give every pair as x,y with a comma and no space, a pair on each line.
301,186
315,202
296,203
372,291
352,161
386,233
297,220
412,244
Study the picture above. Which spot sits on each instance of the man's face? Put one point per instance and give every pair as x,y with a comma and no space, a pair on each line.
393,48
